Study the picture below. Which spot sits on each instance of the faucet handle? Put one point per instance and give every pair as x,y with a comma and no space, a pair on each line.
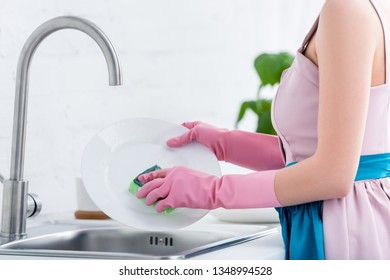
34,205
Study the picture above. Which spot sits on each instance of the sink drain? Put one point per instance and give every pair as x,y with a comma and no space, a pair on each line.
157,240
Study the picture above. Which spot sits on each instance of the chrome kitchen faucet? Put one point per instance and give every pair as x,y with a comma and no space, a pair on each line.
16,200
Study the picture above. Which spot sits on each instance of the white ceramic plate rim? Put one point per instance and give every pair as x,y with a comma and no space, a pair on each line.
139,143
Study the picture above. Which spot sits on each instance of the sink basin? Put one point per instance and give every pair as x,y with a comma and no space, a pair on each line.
111,241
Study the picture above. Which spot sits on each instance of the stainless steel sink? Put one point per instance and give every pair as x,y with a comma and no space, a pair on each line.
110,241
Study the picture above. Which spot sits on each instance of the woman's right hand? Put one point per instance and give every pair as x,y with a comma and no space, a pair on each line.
203,133
252,150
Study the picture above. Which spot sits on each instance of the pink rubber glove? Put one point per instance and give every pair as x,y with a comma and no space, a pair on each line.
248,149
183,187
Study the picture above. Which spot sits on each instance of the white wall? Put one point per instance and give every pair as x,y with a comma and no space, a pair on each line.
182,60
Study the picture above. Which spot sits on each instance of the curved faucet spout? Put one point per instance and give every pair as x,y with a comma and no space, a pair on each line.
22,77
15,189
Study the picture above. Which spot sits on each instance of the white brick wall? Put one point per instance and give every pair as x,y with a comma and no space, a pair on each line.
182,60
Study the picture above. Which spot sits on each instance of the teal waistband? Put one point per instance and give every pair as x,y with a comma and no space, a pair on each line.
373,167
302,224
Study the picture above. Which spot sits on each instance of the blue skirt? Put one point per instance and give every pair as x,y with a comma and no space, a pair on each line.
302,228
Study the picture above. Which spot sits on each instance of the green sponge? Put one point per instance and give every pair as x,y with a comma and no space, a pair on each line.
136,184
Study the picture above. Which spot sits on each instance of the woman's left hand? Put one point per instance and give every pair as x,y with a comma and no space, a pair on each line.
184,187
178,187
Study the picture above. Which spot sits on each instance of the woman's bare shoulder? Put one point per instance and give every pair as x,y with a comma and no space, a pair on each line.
349,20
358,12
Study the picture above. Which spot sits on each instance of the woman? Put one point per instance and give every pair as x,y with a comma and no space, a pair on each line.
331,113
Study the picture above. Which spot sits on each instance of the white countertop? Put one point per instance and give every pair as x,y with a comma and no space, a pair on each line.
268,247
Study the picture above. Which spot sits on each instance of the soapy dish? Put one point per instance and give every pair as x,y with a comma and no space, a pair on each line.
121,151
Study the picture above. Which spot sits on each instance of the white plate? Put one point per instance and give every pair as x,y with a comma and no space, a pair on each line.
117,154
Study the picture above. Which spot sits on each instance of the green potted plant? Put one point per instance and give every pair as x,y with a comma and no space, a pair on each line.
269,67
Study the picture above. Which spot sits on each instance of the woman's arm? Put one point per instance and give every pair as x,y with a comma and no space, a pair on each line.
346,42
256,151
252,150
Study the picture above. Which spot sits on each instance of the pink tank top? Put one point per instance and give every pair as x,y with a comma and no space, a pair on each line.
295,106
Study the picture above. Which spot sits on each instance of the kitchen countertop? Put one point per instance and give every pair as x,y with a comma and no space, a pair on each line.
269,247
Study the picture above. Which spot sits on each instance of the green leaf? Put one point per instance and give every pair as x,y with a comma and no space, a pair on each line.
244,107
266,105
269,67
264,124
